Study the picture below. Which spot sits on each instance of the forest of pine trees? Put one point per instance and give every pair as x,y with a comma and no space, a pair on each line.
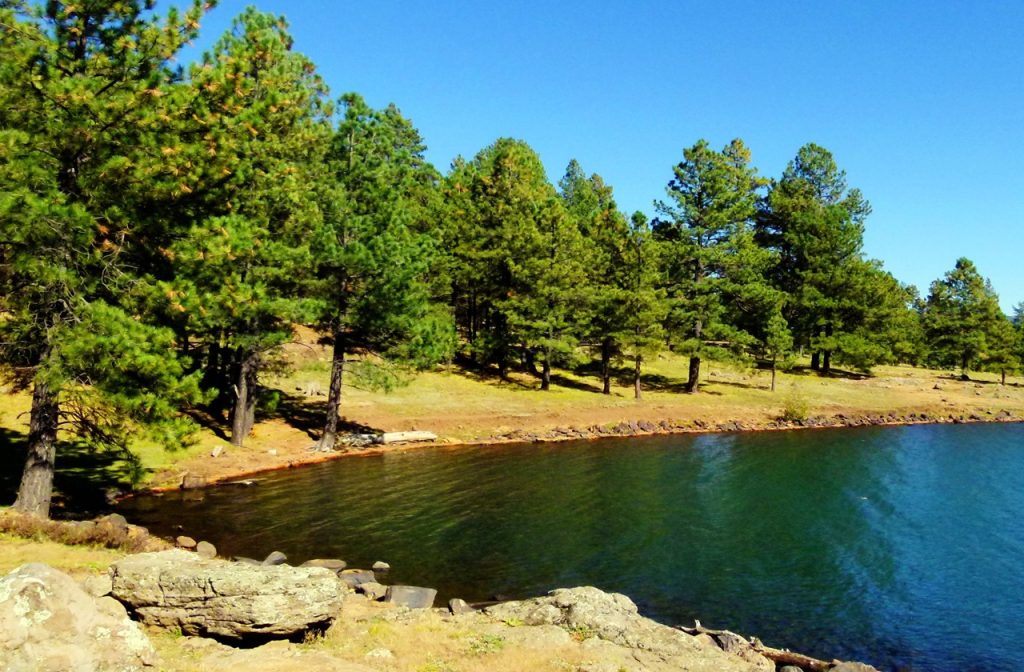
164,227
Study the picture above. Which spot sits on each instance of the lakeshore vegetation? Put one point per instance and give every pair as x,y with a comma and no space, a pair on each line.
165,228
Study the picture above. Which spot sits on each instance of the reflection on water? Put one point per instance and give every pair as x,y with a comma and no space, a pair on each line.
899,546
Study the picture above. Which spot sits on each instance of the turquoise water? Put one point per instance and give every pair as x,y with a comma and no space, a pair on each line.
902,547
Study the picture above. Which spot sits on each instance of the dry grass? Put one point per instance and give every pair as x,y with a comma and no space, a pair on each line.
16,551
435,643
101,533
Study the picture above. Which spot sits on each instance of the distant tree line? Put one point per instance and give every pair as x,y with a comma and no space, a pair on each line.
164,227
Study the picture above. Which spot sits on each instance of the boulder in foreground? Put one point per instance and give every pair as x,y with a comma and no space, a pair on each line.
589,613
49,624
235,601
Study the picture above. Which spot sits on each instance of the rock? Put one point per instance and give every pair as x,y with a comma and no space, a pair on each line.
379,654
614,618
353,577
272,452
372,590
188,543
217,451
275,558
206,550
413,597
49,624
114,521
790,668
191,482
327,563
852,667
380,566
177,589
247,561
98,585
458,606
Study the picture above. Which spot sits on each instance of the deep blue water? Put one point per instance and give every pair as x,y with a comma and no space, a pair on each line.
902,547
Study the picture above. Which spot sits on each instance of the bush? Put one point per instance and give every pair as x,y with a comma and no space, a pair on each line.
795,407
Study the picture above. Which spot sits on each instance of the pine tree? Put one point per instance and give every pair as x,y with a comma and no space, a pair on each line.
500,205
643,306
606,240
962,318
815,225
375,251
778,344
81,103
1003,355
545,312
710,255
253,136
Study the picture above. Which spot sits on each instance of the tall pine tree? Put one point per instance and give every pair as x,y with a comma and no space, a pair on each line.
962,318
375,250
710,257
81,102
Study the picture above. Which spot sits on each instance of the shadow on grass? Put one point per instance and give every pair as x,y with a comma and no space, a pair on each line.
841,374
84,476
309,414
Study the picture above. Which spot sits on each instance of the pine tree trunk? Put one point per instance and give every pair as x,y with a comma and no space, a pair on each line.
826,357
36,488
693,382
530,361
963,367
545,381
773,374
213,378
330,434
243,415
816,361
606,366
1002,380
636,377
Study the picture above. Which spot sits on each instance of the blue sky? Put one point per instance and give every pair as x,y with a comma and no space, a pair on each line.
922,103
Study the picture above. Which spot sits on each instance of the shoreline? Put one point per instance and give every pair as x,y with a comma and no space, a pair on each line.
622,430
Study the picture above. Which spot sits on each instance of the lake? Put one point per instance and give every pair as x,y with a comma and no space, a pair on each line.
899,546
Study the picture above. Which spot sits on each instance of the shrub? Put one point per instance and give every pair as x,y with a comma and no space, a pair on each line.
795,407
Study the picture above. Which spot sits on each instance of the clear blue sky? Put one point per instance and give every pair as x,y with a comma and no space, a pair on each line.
922,103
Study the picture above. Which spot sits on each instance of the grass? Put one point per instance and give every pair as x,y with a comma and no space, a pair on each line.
16,551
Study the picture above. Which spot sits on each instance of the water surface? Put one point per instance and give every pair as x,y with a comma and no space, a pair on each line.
903,547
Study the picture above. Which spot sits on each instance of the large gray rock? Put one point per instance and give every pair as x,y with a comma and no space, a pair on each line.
589,612
413,597
49,624
178,589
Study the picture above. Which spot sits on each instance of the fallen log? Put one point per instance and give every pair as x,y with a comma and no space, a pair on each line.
401,437
777,656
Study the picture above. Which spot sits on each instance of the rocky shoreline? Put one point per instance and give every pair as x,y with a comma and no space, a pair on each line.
622,429
226,607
